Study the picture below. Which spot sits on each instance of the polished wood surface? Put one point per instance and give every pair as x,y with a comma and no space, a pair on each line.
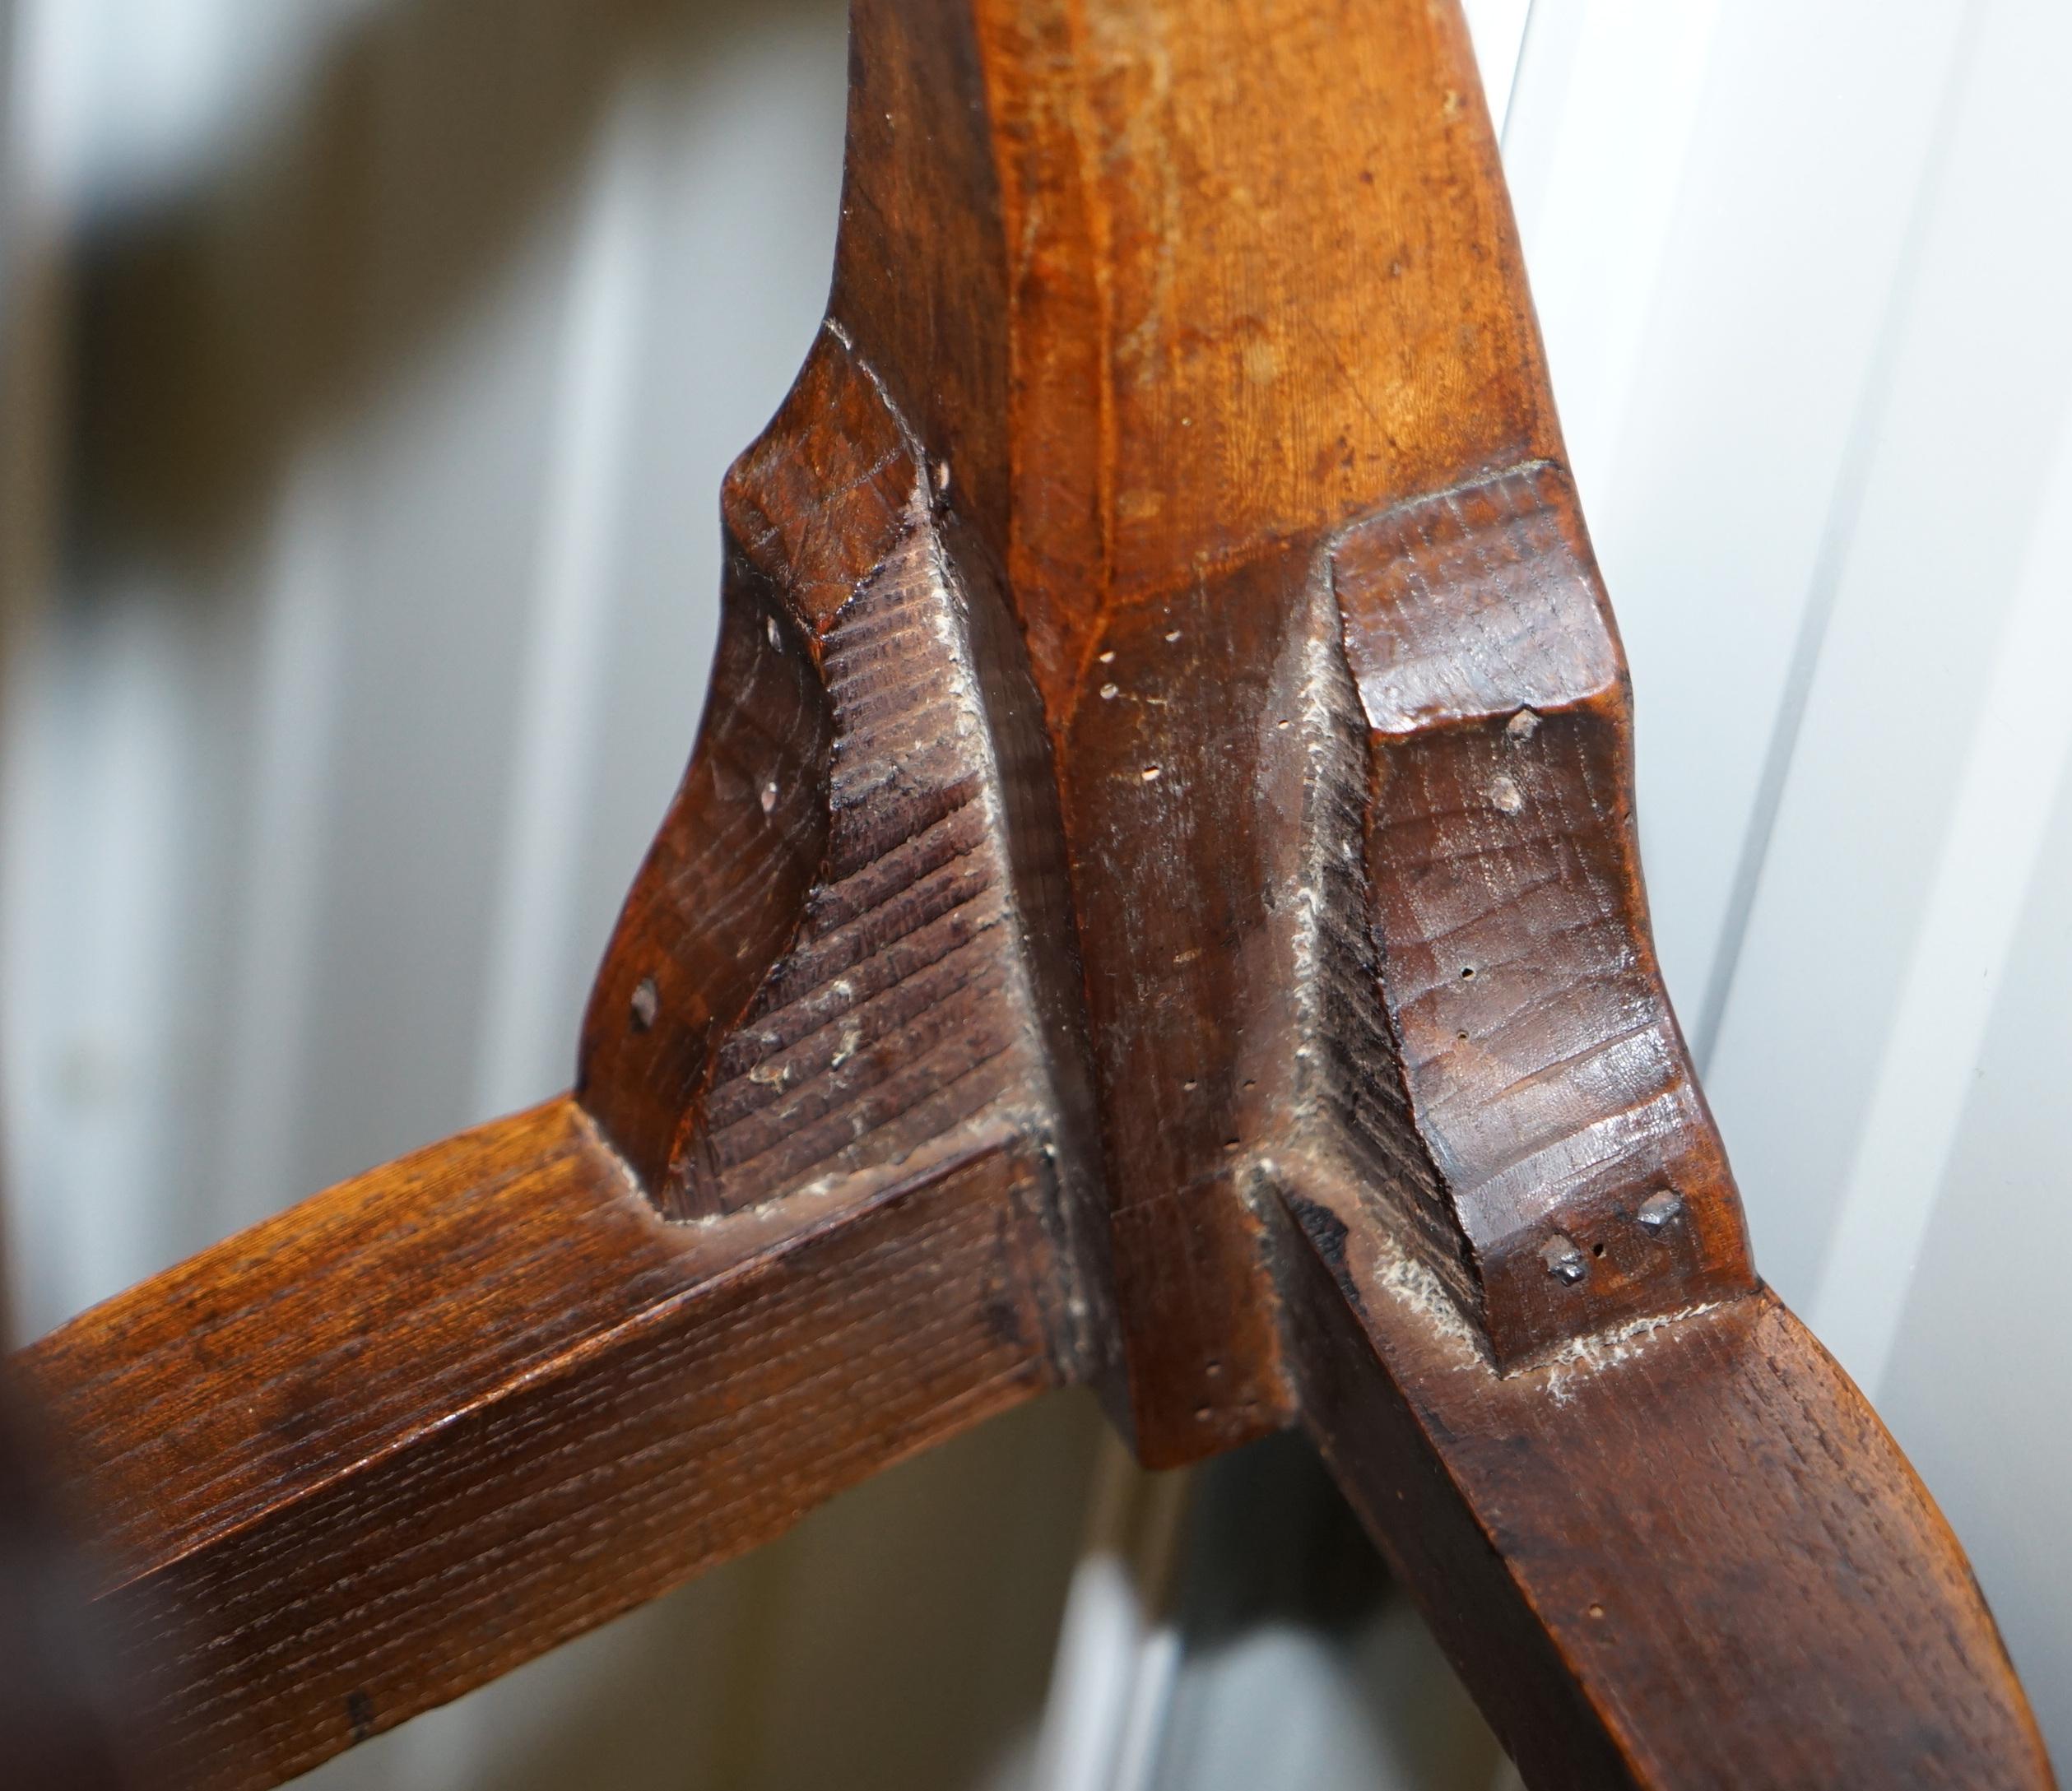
1154,903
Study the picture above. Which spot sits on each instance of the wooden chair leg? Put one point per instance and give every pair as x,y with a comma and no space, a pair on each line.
1154,904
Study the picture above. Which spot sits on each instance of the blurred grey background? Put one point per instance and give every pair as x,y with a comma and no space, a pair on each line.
367,371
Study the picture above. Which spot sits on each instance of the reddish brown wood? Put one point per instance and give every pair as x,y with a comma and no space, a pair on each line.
1154,903
852,937
1552,1117
1264,291
422,1427
1683,1552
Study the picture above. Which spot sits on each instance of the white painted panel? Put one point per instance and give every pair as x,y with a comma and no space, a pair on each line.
1598,79
1960,955
1712,278
1498,30
1976,1384
1923,583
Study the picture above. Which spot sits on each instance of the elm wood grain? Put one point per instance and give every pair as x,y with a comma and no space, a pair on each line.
839,999
1164,553
1684,1552
421,1427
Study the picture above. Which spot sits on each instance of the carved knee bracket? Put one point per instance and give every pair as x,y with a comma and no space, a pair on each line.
847,956
1547,1085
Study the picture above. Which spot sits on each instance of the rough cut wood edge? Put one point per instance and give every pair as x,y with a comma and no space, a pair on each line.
1269,339
417,1430
1265,310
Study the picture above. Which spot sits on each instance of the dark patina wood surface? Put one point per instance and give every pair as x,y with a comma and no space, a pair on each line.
1154,903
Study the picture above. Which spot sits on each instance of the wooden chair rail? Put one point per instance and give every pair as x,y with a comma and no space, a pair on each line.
419,1429
1154,904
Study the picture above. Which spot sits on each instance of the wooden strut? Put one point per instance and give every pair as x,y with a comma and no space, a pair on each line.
1154,904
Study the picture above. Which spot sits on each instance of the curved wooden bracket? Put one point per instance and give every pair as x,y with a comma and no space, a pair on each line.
849,943
1549,1088
1155,903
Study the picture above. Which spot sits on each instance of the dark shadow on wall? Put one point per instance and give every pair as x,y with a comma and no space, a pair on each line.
427,180
1302,1661
213,330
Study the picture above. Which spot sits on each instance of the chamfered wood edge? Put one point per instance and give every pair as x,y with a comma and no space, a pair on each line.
907,969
